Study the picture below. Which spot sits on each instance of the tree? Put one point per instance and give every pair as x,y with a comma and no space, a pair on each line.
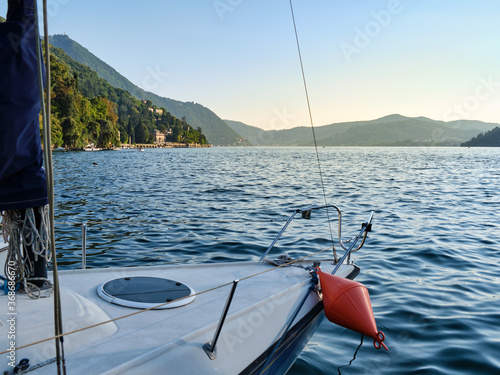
109,134
56,133
141,133
131,128
176,134
94,131
71,134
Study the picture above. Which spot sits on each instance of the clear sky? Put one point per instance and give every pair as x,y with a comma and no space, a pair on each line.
363,59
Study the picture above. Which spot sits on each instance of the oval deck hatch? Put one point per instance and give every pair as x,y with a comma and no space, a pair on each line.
143,292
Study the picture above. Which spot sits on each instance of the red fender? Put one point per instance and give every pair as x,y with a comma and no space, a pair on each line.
347,303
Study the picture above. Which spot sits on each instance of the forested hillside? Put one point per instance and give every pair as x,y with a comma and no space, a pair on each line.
87,109
217,131
488,139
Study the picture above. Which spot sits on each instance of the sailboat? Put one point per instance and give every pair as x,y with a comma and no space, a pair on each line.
219,318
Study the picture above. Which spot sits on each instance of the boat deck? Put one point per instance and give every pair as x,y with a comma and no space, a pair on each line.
261,308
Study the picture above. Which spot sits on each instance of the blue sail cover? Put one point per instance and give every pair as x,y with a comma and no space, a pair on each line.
22,176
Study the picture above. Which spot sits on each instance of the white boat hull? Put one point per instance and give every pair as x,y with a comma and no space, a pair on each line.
171,341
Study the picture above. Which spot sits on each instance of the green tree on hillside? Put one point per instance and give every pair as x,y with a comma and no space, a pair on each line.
109,135
141,133
71,133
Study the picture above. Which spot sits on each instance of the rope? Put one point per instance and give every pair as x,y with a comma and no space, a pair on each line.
166,303
11,233
312,128
353,357
21,232
38,240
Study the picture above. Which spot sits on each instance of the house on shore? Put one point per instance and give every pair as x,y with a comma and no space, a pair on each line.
160,138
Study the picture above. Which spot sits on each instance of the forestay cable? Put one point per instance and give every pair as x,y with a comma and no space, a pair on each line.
312,128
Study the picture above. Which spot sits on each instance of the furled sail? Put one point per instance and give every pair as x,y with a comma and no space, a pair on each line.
22,176
23,190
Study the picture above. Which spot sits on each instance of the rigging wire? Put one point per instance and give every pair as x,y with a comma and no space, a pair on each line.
169,222
47,150
287,264
312,128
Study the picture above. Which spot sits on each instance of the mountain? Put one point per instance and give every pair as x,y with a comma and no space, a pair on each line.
215,129
488,139
248,132
392,130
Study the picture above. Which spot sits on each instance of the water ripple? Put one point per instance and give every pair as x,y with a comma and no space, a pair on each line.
431,263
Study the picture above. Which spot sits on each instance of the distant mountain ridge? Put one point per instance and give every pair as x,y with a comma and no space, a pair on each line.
215,129
392,130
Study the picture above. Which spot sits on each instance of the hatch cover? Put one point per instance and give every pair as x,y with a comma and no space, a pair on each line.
142,292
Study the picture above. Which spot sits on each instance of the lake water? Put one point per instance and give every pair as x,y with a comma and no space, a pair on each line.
431,264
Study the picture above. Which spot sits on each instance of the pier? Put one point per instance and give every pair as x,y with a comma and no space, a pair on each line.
164,145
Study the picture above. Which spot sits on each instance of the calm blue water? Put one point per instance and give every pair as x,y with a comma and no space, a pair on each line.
431,263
